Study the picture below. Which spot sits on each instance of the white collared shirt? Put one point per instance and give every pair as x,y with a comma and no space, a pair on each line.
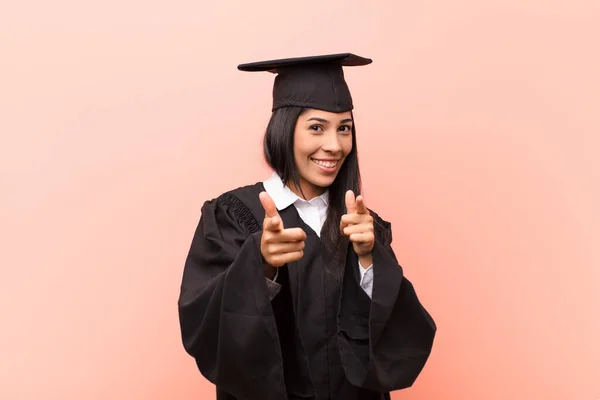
314,213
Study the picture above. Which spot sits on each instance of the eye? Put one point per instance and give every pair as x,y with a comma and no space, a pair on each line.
316,128
345,129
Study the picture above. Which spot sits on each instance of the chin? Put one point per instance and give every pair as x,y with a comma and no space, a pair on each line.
323,182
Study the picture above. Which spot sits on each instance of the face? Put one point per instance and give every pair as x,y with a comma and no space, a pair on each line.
322,141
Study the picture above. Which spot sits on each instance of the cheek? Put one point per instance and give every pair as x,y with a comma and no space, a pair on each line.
301,156
347,145
305,145
300,153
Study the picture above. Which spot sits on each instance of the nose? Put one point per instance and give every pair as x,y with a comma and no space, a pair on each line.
331,143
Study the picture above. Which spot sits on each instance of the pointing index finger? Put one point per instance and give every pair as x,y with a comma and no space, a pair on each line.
361,208
268,204
272,220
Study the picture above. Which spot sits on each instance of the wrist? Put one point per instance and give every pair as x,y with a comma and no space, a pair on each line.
269,270
366,260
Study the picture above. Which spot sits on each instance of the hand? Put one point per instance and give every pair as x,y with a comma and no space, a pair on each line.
357,224
279,246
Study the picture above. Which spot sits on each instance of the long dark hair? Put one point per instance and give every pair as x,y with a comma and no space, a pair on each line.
279,155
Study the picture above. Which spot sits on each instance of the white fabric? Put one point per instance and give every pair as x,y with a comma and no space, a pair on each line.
314,213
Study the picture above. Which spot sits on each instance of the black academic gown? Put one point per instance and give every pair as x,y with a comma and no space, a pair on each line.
321,337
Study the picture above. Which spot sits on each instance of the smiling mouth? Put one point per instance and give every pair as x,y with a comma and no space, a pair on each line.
325,164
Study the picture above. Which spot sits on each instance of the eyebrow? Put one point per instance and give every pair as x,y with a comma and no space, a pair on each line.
326,121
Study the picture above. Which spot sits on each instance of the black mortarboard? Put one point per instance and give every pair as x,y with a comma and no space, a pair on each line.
311,82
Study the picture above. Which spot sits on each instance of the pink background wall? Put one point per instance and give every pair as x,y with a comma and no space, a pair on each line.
478,127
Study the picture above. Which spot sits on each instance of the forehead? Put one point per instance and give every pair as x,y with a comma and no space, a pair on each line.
326,115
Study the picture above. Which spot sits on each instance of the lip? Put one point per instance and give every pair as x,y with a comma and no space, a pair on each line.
327,170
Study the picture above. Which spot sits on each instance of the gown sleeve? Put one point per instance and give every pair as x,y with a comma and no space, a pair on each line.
384,340
225,314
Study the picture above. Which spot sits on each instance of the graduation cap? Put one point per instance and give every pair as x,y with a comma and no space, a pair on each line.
311,82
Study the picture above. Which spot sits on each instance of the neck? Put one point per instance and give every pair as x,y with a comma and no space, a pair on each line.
310,191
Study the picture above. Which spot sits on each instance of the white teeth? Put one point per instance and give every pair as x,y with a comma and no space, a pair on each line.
326,164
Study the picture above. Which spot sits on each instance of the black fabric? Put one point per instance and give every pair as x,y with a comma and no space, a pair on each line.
320,338
295,363
312,82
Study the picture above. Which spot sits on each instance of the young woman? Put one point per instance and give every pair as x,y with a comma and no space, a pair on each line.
291,289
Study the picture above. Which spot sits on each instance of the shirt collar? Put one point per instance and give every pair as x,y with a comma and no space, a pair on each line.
283,195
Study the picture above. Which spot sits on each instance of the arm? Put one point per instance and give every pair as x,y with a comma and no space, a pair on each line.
226,319
271,279
384,341
366,278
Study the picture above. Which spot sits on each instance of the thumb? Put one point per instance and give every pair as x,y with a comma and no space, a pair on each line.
350,202
269,205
